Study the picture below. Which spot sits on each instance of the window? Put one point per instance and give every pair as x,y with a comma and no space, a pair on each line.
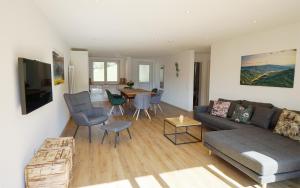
105,71
112,71
98,71
144,73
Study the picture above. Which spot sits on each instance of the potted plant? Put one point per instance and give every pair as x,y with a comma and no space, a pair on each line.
130,84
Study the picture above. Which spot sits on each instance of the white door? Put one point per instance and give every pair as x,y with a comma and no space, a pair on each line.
145,76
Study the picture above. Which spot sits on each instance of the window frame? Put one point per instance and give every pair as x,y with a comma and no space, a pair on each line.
106,61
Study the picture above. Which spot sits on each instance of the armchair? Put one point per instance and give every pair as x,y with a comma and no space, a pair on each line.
83,112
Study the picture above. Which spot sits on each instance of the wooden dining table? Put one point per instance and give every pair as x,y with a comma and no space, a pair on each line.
131,93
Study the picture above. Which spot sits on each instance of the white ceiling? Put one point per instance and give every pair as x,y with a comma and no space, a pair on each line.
157,27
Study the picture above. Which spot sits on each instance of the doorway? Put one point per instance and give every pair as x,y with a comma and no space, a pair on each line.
197,83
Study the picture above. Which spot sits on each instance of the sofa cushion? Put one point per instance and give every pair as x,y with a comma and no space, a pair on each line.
218,123
258,149
289,125
246,103
233,104
262,117
220,108
241,114
210,106
275,117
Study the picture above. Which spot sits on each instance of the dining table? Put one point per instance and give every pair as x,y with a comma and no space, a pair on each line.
130,93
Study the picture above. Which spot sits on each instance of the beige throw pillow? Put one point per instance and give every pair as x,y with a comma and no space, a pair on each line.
289,125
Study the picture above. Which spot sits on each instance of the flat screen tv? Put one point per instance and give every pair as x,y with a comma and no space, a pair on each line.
35,84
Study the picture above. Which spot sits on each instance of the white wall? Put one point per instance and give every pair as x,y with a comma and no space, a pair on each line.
80,60
226,65
25,33
178,91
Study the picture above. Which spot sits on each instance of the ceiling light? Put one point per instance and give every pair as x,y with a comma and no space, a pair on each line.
188,12
254,21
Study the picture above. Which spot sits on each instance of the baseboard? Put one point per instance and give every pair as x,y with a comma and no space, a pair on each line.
176,106
63,131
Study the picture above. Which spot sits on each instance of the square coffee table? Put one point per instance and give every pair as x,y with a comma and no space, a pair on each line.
187,122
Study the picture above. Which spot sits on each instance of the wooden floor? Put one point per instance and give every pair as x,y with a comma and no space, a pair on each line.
151,160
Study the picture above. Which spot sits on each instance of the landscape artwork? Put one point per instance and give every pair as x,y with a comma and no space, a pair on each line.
58,68
274,69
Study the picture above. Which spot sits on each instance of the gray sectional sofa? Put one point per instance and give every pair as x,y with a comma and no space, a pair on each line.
258,152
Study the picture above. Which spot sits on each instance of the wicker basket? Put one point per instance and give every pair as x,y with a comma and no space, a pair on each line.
55,143
49,168
52,165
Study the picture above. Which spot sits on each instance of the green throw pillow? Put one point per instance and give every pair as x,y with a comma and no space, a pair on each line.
242,114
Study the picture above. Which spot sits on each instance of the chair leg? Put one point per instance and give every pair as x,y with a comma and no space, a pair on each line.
146,111
135,113
116,138
111,110
105,132
138,113
90,134
76,131
159,108
120,108
129,133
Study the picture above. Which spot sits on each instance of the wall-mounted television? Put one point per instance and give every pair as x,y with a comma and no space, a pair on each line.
35,84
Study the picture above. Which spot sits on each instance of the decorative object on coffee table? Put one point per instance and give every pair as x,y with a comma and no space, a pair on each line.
186,123
116,127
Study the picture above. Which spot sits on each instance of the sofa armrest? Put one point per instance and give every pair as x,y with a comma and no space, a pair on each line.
200,109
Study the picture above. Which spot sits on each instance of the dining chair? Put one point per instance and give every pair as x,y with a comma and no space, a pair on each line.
142,102
115,100
82,111
156,100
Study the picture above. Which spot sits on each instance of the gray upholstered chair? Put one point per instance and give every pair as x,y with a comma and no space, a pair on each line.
142,102
83,112
156,99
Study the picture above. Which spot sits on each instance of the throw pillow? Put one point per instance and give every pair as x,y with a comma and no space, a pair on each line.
242,114
262,117
210,106
289,125
220,109
233,104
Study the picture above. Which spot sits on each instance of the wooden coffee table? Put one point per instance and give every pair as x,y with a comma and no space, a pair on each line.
187,122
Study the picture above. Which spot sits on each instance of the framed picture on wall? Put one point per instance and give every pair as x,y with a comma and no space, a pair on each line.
273,69
58,68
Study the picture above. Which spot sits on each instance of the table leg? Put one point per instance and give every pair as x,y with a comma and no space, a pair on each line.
116,139
201,133
105,132
128,132
175,135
